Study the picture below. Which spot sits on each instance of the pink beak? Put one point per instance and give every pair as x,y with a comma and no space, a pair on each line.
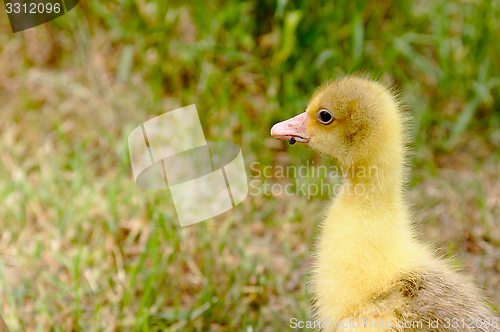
293,130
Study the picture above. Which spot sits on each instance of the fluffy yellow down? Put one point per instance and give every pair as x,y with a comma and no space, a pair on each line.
366,239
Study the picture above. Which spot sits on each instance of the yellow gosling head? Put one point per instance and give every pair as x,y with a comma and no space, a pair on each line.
355,120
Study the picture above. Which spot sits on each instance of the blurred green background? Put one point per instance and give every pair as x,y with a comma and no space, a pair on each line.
82,248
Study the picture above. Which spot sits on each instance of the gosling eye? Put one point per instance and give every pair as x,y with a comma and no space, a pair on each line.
324,116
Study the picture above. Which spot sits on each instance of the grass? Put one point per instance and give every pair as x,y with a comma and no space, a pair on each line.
82,248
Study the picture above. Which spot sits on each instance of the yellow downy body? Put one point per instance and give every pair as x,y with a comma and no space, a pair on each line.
368,264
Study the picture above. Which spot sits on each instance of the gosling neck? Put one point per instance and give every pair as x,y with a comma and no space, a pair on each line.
376,178
366,239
